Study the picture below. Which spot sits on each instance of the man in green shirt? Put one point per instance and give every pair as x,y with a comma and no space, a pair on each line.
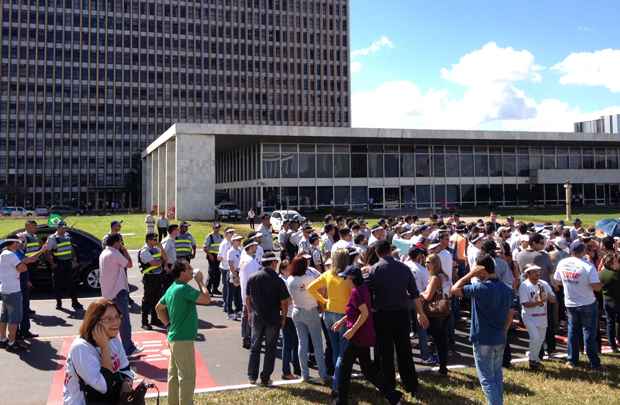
177,310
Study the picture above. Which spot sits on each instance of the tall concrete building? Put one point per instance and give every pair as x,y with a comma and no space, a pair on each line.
85,86
608,124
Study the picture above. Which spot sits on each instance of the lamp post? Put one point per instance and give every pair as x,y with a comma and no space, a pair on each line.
569,200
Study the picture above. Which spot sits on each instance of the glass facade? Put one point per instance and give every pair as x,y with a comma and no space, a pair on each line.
315,176
85,86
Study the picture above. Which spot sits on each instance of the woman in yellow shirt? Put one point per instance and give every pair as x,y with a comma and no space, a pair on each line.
338,292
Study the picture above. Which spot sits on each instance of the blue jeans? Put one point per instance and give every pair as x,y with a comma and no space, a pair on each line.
122,302
234,297
455,306
489,368
225,288
612,316
308,325
425,353
290,348
583,318
338,342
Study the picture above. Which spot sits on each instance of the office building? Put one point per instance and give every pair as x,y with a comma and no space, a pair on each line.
608,124
85,86
311,168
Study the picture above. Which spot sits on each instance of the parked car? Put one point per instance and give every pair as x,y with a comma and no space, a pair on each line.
17,212
227,210
87,249
41,211
63,210
277,217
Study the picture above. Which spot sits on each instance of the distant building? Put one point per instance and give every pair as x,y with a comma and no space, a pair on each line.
85,86
608,124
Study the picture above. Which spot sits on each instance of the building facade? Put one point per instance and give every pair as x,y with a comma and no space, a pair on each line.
85,86
314,169
609,124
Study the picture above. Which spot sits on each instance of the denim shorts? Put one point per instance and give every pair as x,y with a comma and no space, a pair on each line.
12,310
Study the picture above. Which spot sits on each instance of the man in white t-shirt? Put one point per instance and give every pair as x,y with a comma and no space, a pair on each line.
580,280
248,265
345,241
534,294
115,287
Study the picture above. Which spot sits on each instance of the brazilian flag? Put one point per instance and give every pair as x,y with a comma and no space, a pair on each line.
53,220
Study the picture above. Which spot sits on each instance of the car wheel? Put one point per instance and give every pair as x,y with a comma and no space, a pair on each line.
92,279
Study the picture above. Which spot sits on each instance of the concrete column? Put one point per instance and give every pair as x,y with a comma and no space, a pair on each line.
195,174
170,180
147,179
154,180
161,179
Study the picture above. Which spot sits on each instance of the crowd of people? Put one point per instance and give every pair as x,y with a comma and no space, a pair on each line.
334,294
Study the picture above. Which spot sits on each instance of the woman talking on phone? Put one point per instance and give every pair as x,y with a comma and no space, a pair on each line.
97,367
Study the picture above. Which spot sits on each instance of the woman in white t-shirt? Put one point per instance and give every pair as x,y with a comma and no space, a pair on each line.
306,315
97,368
534,294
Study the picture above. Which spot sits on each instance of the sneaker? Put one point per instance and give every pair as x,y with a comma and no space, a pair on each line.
58,304
570,365
429,362
534,365
146,326
136,351
29,335
252,381
77,306
266,383
231,317
158,323
289,377
443,371
246,344
15,347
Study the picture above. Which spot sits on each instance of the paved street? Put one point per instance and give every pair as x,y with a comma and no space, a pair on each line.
37,375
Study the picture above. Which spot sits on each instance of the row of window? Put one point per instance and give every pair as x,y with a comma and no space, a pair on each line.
427,196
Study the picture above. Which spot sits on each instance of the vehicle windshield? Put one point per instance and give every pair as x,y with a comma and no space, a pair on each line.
228,207
290,215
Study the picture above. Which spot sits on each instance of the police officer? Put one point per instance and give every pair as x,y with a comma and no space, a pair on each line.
185,243
61,261
31,247
151,257
211,247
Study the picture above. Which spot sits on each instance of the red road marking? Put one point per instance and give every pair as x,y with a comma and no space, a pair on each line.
152,365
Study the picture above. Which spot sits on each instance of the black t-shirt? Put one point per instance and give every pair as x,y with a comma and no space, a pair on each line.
393,285
266,291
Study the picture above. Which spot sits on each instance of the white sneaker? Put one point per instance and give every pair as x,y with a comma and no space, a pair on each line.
138,350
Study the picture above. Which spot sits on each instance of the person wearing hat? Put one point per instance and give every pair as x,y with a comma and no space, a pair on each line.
234,284
316,258
534,294
359,330
304,243
473,249
377,233
576,229
265,230
185,243
152,259
267,302
211,248
11,266
580,281
61,258
30,246
222,256
248,265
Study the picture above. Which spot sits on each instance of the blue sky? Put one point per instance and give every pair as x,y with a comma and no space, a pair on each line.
524,46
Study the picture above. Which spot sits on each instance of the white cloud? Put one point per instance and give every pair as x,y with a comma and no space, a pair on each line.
376,46
598,68
356,67
492,64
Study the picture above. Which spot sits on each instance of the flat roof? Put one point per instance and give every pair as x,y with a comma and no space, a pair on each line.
345,134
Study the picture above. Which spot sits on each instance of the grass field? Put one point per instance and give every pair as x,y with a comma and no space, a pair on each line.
134,227
555,385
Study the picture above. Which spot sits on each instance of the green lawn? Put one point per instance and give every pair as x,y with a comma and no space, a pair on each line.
133,229
555,385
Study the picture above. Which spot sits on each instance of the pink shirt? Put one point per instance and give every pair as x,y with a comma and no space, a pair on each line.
112,272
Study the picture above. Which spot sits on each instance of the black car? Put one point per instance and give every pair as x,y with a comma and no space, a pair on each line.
87,249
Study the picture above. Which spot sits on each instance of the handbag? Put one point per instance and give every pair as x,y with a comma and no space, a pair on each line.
439,306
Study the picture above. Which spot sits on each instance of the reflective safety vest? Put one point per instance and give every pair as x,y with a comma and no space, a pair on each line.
213,243
33,245
183,245
146,268
63,250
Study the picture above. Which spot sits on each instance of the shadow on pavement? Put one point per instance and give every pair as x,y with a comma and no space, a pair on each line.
49,320
43,356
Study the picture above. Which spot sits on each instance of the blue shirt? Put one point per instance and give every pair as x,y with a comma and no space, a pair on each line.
490,303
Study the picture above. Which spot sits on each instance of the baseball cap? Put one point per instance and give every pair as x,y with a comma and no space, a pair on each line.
351,270
313,238
61,223
248,243
269,257
184,223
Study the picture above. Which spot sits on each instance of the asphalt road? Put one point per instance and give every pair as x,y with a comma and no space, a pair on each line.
36,376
